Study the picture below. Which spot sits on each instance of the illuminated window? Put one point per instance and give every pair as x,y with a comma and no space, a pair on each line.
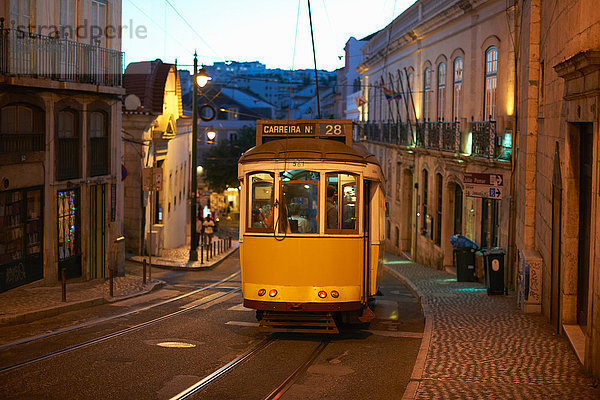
457,87
491,72
299,211
261,215
426,93
441,91
341,204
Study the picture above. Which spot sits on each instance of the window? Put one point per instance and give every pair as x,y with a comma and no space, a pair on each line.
388,230
260,207
98,148
21,119
299,201
398,182
98,23
491,72
484,222
67,146
425,227
233,136
68,224
441,91
457,88
20,14
438,225
397,237
68,14
341,190
426,93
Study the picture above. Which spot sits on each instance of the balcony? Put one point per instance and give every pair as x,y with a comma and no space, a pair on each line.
444,136
98,156
483,139
67,158
12,143
387,132
38,56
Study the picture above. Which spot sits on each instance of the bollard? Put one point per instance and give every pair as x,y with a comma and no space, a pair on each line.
144,272
207,252
201,254
64,285
110,277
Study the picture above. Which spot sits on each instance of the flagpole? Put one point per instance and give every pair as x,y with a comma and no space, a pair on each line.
396,100
401,85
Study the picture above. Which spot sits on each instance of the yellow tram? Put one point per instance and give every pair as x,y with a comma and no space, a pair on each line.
311,225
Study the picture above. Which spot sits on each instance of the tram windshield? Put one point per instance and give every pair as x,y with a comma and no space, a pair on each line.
261,201
300,201
341,202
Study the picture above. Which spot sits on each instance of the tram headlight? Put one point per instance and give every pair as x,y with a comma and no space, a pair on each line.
262,292
322,294
272,292
335,294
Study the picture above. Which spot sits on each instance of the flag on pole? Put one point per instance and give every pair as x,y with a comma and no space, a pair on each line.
390,94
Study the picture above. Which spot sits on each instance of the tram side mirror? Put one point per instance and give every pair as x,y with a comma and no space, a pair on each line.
387,209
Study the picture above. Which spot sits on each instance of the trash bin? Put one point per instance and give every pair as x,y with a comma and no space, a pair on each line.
464,261
494,270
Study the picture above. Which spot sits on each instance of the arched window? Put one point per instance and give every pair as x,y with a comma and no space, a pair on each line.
98,149
67,145
457,87
426,93
491,74
441,90
21,128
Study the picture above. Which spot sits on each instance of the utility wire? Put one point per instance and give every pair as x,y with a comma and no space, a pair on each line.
192,28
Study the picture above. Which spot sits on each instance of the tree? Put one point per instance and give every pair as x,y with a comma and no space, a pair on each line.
220,162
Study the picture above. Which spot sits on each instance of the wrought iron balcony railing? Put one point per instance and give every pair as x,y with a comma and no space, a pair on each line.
483,139
67,158
388,132
28,54
98,156
443,136
13,143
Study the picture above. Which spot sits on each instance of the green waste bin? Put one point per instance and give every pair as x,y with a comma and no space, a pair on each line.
494,270
464,262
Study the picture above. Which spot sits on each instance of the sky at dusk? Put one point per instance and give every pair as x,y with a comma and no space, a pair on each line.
251,30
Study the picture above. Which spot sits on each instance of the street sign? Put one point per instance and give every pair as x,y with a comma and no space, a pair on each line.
152,179
307,128
488,186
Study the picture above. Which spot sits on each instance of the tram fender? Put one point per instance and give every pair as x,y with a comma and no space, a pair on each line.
367,315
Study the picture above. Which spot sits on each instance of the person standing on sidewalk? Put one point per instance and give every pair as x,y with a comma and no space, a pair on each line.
208,229
199,230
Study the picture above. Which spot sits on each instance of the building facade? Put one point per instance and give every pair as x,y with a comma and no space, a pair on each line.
60,153
151,138
558,167
438,109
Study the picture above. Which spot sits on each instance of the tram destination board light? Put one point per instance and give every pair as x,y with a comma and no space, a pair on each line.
309,128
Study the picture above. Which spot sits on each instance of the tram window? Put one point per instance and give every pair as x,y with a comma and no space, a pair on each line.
261,201
341,190
300,201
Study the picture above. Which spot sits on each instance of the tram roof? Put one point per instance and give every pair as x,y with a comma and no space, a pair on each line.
309,149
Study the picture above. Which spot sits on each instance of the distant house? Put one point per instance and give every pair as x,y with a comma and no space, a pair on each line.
152,108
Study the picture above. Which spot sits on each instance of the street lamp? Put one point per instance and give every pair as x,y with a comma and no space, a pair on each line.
201,78
210,136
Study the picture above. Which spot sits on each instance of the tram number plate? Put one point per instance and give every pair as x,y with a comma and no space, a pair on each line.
298,164
331,129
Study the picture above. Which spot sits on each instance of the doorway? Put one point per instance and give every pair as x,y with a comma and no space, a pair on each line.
555,319
69,233
585,220
97,231
407,204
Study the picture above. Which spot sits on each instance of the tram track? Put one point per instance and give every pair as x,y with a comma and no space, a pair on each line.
277,392
106,319
121,332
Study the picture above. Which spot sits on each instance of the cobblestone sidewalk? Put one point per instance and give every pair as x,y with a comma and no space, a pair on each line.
30,302
483,347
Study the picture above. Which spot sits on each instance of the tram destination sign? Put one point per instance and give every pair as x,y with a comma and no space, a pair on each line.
490,186
272,129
